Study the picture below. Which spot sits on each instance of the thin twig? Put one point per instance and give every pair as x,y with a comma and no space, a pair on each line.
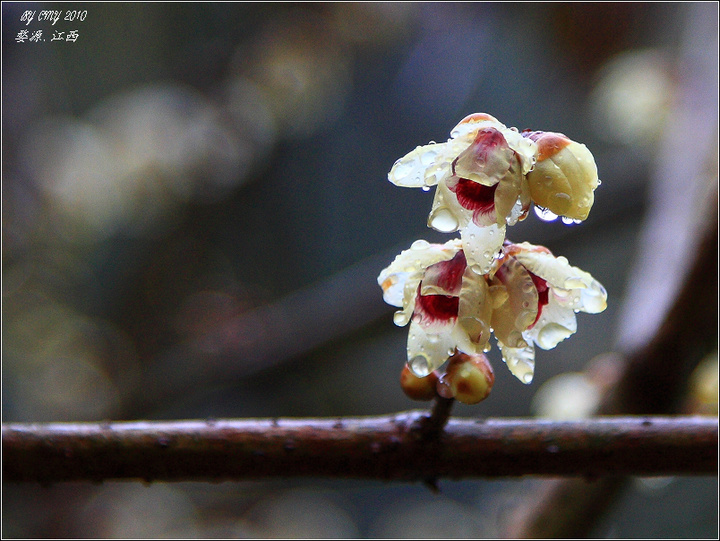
385,448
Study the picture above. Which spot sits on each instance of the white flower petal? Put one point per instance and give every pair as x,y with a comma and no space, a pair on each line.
481,245
472,330
582,291
556,271
427,351
399,281
424,166
446,214
520,361
555,324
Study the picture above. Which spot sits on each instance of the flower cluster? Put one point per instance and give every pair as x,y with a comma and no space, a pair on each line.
454,295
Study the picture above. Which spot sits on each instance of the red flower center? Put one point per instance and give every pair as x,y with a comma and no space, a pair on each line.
543,290
474,196
446,276
436,307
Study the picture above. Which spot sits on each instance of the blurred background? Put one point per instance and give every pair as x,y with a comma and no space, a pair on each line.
195,209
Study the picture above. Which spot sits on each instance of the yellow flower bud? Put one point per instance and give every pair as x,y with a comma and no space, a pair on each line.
469,378
564,177
418,388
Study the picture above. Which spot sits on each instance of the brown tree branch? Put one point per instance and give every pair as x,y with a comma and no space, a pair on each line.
386,448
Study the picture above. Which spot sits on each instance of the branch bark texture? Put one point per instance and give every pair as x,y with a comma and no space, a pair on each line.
385,448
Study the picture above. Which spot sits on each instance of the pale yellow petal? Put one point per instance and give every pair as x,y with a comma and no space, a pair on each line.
401,278
427,351
573,287
564,178
522,301
424,166
520,361
472,330
482,245
446,214
556,323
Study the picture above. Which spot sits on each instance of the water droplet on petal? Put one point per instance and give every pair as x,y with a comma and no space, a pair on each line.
551,335
400,318
419,244
428,158
401,169
527,378
419,366
574,283
444,221
544,214
426,188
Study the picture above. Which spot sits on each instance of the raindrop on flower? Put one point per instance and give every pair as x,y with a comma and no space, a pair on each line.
574,283
544,214
401,170
419,366
428,158
444,221
400,318
426,188
527,378
552,334
419,244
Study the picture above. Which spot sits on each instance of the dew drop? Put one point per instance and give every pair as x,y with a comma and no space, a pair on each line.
426,188
419,366
544,214
400,318
428,158
574,283
401,169
527,378
570,221
444,221
419,244
552,334
599,182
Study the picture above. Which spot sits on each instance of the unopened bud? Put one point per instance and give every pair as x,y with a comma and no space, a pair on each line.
469,378
564,177
418,388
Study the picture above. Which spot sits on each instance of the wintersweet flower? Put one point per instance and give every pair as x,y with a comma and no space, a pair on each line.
535,296
446,303
480,174
565,176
